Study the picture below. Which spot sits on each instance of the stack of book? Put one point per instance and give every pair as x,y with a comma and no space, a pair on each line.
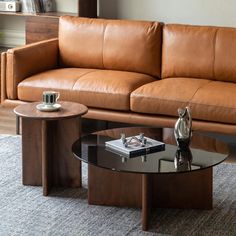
133,150
37,6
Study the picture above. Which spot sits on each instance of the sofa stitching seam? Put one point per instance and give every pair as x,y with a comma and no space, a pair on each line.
173,99
86,91
82,76
214,53
133,97
190,100
15,93
103,40
201,104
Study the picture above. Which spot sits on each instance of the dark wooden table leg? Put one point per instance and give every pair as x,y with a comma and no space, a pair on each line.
45,160
65,169
145,201
17,124
191,190
31,151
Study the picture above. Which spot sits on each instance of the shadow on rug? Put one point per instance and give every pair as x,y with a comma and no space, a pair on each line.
24,211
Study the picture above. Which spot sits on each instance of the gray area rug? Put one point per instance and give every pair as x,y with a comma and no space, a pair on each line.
24,211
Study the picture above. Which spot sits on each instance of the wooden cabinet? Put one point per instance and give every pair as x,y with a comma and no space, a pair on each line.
87,8
45,25
40,28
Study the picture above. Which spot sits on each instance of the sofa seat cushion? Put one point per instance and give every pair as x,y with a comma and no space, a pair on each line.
165,96
62,80
215,102
94,88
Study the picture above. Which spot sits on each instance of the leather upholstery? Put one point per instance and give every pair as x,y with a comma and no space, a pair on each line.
199,52
188,51
165,96
61,80
112,67
94,88
27,60
109,89
208,100
81,42
225,55
215,102
110,44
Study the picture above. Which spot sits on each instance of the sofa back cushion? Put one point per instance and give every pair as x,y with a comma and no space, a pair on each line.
111,44
225,55
188,51
199,52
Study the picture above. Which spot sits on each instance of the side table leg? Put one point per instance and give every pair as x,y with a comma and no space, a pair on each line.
17,124
45,161
145,201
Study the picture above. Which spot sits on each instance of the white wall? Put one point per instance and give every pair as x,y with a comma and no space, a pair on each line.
67,5
199,12
12,29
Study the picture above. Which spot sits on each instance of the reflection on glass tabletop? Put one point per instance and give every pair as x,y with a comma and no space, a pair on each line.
206,150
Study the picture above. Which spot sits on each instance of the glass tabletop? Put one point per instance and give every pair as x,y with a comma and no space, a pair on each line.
205,151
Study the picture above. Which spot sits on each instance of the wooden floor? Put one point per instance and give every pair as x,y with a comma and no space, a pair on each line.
8,125
7,121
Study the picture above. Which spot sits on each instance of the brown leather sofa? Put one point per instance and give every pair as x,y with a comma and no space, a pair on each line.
136,72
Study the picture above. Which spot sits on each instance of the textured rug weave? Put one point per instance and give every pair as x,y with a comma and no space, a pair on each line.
24,211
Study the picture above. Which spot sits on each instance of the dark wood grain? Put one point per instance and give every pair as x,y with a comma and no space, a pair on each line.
183,190
18,120
31,152
145,201
47,138
67,110
111,188
46,181
40,28
87,8
65,168
46,152
149,191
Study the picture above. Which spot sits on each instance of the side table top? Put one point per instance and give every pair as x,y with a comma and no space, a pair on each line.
67,110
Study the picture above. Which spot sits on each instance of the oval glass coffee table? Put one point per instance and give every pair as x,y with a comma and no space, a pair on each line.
169,178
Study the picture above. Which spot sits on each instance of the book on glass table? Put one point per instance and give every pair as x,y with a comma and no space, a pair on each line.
134,149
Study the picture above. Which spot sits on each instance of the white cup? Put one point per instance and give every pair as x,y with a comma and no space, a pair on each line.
50,97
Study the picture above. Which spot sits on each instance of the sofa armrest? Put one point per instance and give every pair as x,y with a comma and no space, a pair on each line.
28,60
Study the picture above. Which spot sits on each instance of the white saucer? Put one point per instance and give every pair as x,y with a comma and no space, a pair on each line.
43,107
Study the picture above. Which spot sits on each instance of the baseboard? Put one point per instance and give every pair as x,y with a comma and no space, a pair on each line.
12,38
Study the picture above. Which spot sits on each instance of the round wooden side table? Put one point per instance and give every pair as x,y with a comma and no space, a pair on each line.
47,137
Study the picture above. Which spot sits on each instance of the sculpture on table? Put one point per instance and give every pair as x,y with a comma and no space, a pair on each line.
183,135
183,159
134,141
183,128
